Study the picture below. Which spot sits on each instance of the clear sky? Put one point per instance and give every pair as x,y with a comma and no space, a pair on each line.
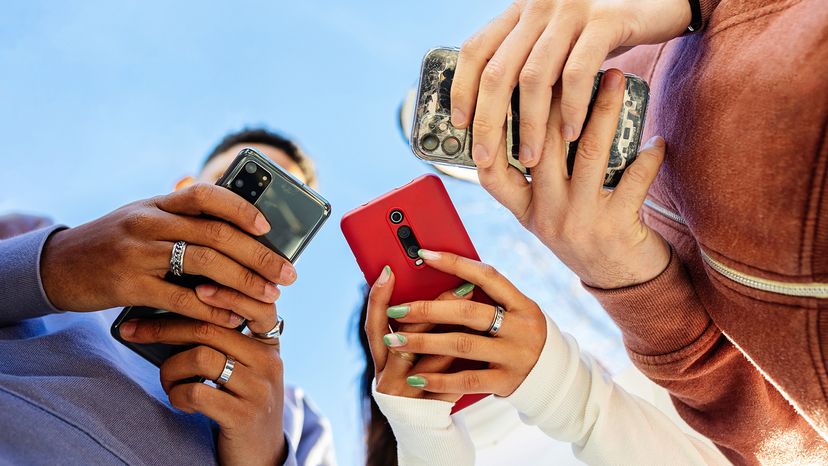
103,103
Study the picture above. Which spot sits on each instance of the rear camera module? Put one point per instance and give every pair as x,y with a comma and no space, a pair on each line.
396,216
239,183
251,167
429,142
404,232
451,145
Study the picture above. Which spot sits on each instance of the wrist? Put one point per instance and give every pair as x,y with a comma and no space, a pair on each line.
649,262
53,268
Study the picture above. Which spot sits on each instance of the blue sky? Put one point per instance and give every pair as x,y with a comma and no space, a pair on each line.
104,103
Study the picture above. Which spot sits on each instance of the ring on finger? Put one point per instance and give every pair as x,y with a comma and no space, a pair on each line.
227,372
404,355
273,334
497,320
177,258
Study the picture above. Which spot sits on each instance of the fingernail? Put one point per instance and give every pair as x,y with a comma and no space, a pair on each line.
394,339
271,292
395,312
428,255
655,141
458,118
464,289
525,154
127,329
288,273
568,133
261,224
235,319
416,381
480,154
612,79
385,275
206,290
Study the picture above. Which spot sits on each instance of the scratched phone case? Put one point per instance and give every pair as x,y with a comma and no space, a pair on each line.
428,212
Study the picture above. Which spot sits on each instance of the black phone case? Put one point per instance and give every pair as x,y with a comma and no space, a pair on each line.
157,353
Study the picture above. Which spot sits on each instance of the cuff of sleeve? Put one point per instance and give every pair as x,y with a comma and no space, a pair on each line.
705,11
425,432
542,395
656,317
21,289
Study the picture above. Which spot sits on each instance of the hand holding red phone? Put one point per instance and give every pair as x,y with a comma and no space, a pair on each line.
248,407
511,352
393,366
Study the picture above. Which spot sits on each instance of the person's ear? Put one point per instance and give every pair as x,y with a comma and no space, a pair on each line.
184,182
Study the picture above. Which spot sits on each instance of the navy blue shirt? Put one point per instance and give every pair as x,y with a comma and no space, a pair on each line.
70,394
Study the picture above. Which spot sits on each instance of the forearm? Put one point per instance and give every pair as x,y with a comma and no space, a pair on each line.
21,290
571,399
425,432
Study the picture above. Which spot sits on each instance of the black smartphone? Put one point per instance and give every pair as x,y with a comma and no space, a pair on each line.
295,212
434,139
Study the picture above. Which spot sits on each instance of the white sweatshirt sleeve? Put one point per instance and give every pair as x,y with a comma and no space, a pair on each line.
425,431
571,398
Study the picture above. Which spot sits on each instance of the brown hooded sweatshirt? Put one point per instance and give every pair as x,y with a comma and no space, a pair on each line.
736,327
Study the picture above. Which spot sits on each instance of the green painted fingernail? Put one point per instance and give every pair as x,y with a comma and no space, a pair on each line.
395,312
464,289
416,381
394,339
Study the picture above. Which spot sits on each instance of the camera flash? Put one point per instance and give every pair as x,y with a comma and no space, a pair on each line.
418,262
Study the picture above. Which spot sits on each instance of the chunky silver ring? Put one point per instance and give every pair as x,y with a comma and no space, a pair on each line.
274,333
227,372
177,258
497,321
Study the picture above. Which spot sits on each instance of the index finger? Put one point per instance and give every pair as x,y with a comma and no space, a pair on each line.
376,319
216,201
188,332
474,55
483,275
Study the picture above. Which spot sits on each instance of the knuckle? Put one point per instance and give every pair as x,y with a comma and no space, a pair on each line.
221,232
589,149
468,310
482,125
194,395
274,365
205,257
493,75
138,221
470,381
427,310
266,259
573,72
181,298
463,344
203,359
637,174
605,104
472,47
531,76
489,272
249,280
204,331
201,193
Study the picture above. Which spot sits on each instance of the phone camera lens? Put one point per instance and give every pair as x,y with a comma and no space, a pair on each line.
412,251
451,145
250,167
253,193
404,232
239,182
429,142
396,216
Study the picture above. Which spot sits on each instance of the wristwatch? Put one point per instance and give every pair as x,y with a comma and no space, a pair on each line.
695,16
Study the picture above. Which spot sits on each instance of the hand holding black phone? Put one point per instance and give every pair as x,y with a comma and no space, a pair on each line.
295,213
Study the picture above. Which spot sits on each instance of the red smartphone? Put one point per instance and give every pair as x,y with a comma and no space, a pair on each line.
391,229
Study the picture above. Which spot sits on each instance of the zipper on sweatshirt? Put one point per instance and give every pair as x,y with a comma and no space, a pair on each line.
805,290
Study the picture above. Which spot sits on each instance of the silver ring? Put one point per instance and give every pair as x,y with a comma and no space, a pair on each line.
497,322
227,372
274,333
177,258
